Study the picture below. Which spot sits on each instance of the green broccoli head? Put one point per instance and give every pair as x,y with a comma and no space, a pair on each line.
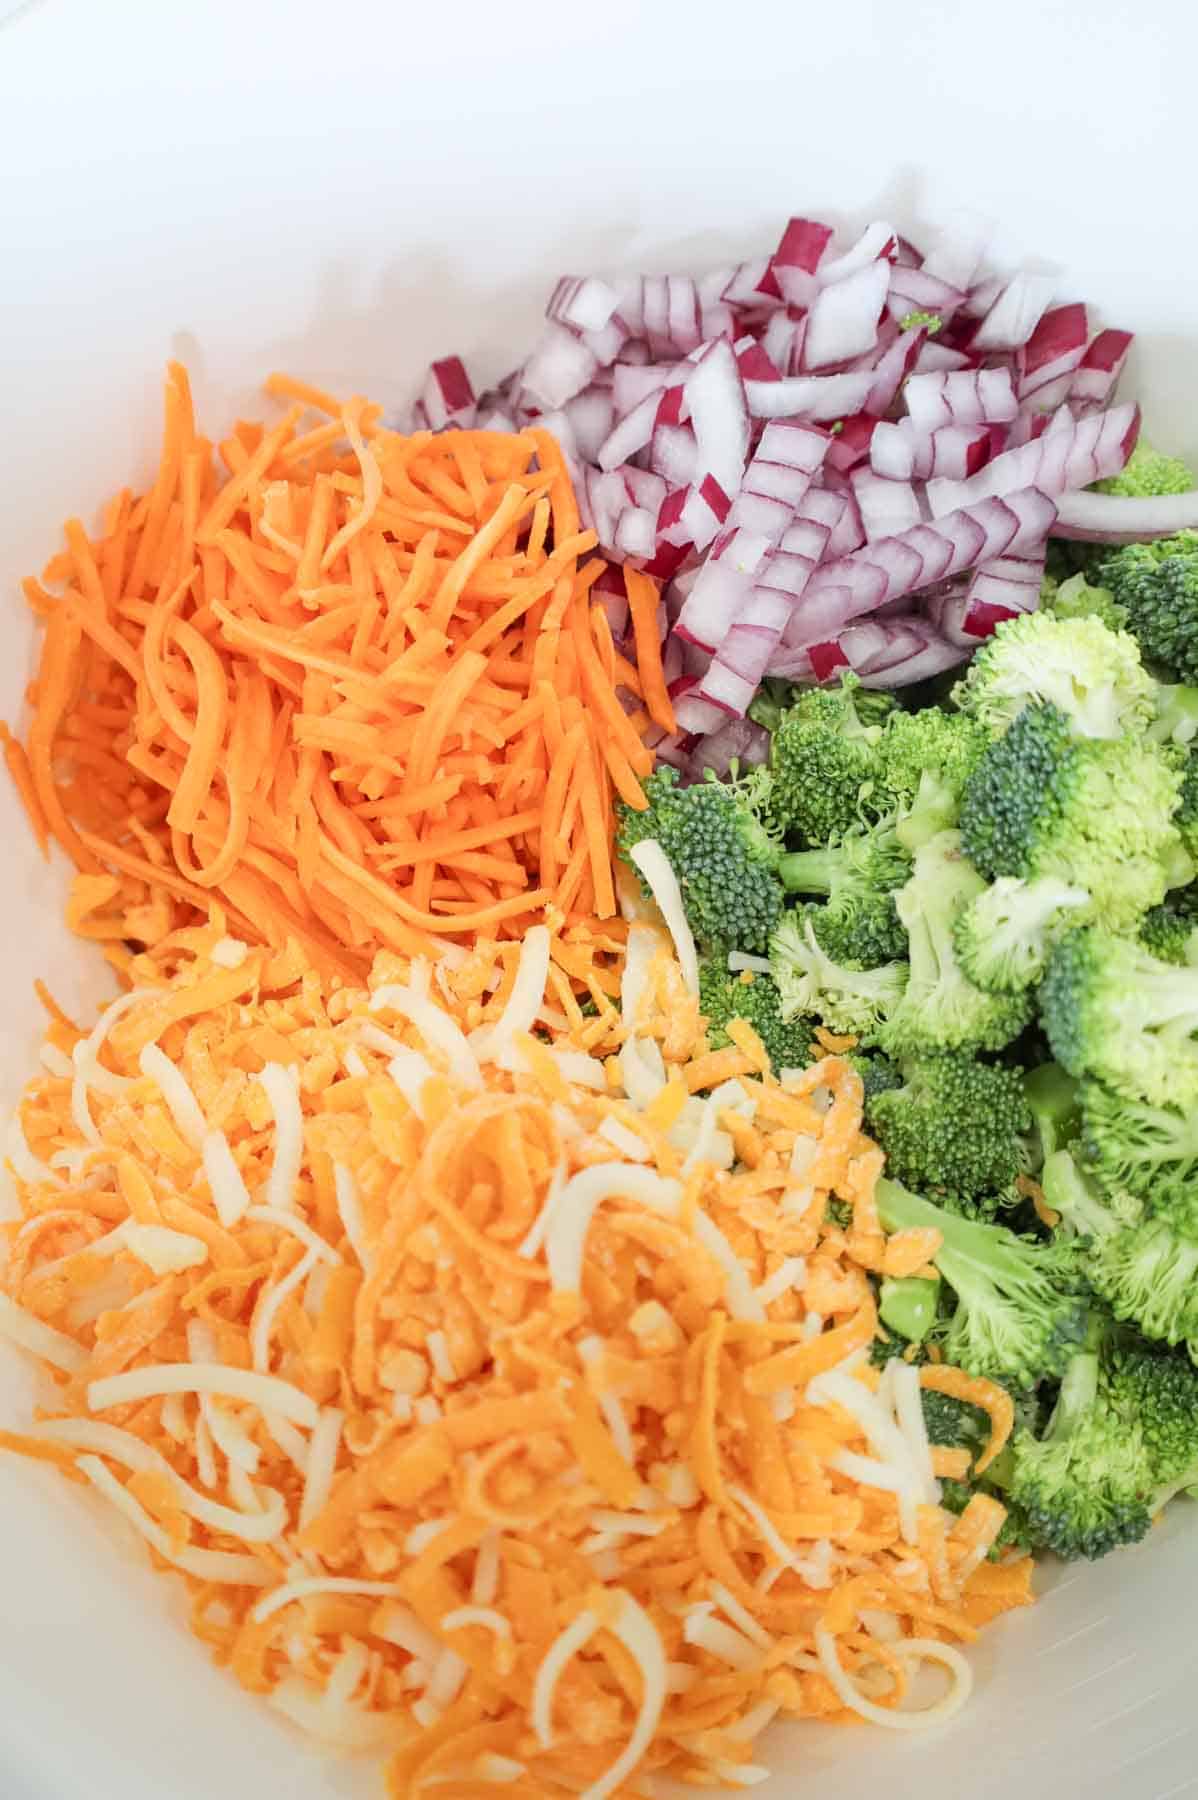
1004,936
1085,1486
1157,585
842,997
1145,1271
941,1009
956,1126
1076,598
824,760
1186,816
927,757
723,855
1147,1150
770,702
1161,1388
1114,1012
1148,472
1091,674
753,997
1170,932
858,873
1020,1302
1094,814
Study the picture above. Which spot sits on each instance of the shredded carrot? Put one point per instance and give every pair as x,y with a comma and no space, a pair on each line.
454,1398
304,655
977,1391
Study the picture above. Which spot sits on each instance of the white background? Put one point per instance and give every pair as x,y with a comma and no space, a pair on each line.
346,189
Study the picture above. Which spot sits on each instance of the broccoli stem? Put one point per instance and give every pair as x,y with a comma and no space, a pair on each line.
909,1305
1079,1385
1068,1192
811,871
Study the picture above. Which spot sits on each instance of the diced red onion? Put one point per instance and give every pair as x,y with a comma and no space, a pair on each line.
754,361
719,414
636,532
1070,455
956,253
691,712
630,433
782,341
826,660
693,515
447,396
914,290
1054,350
591,415
723,585
962,397
744,291
843,320
674,454
892,368
1101,367
935,357
737,741
797,258
876,241
560,367
1015,314
886,507
851,444
582,302
633,382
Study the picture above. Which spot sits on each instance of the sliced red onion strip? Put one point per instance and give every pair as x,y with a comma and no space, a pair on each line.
843,320
1123,518
809,396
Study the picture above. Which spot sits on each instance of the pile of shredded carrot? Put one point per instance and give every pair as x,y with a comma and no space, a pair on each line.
504,1399
350,684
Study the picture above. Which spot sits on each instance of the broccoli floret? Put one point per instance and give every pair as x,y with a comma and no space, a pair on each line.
1148,472
1072,1191
1162,1391
1091,674
908,1304
1075,598
941,1009
824,760
1086,1485
1148,1275
842,997
1021,1306
1095,814
1146,1150
858,873
754,998
1157,585
877,1073
1170,932
927,757
724,857
1054,1103
930,322
956,1125
1115,1012
1004,936
1186,816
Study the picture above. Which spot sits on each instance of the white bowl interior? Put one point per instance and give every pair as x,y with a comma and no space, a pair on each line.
346,192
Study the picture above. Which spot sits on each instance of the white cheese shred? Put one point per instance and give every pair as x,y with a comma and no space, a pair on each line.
662,883
920,1649
283,1094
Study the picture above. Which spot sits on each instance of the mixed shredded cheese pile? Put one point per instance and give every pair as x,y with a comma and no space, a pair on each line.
491,1366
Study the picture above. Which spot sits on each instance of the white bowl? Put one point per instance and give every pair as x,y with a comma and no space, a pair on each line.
345,190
